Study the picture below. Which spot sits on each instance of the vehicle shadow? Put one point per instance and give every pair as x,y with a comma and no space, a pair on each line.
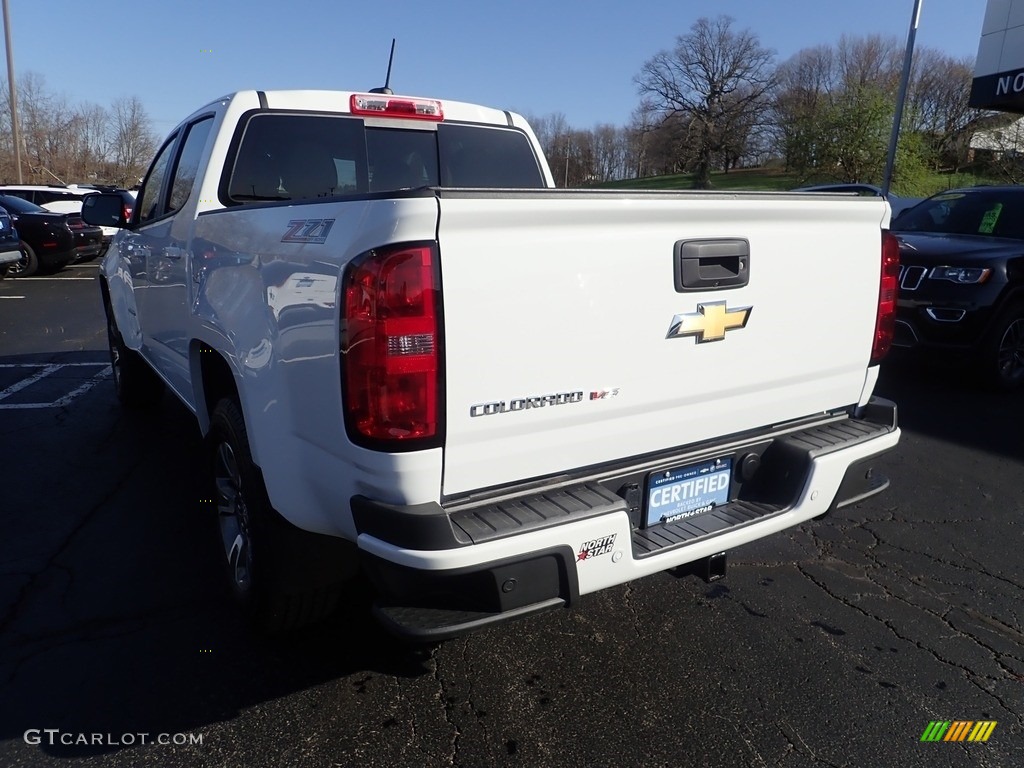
113,616
950,404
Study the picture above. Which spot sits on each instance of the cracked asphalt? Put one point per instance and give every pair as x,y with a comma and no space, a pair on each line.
831,645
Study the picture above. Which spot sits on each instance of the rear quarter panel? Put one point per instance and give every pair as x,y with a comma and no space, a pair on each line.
272,306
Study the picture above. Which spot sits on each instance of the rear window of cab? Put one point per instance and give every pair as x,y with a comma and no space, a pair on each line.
300,156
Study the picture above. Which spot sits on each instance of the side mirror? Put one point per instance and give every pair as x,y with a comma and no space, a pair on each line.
104,210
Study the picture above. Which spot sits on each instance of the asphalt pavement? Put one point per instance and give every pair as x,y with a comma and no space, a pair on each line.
834,644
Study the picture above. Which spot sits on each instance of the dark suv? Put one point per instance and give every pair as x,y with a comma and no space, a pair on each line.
48,240
962,279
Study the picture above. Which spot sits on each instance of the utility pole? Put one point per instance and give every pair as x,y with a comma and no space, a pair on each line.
14,93
565,183
894,137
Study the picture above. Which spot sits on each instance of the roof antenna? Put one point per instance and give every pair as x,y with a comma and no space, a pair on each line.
387,81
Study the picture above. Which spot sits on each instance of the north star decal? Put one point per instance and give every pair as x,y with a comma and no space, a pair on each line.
709,322
596,548
308,231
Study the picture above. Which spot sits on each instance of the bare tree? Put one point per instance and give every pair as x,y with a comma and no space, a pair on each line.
939,89
554,134
805,83
672,145
874,61
717,78
609,153
95,139
134,143
36,108
65,142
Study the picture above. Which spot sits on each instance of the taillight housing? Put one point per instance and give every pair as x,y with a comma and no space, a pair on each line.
402,107
888,292
390,347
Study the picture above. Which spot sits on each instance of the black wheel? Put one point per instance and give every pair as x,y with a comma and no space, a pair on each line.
136,384
27,265
1003,355
268,561
232,494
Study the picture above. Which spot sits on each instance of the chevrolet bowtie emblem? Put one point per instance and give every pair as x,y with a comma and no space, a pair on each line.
709,322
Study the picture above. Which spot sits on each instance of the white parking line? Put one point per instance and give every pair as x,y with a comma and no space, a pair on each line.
20,385
47,369
12,297
76,392
43,365
40,279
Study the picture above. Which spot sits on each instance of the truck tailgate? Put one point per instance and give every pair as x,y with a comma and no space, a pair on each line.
558,309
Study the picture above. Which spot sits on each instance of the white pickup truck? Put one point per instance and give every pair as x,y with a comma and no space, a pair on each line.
411,355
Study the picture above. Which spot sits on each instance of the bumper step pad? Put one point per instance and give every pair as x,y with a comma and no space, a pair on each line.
649,541
540,510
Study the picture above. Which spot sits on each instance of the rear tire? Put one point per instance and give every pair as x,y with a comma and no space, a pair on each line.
1002,356
27,266
266,571
136,384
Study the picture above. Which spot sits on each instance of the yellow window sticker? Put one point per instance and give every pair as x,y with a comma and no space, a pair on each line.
988,221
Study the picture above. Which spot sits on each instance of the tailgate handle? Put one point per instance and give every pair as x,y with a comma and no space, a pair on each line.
711,265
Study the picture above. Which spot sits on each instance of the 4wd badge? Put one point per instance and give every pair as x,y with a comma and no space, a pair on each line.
709,323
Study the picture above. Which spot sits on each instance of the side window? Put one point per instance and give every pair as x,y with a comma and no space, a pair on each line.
42,198
474,156
150,202
298,157
188,163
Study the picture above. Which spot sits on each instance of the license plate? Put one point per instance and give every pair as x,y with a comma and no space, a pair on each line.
683,492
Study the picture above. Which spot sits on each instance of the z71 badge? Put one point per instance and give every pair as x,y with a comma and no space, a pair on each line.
308,231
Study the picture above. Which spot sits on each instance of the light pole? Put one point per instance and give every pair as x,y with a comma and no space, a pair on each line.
14,93
894,137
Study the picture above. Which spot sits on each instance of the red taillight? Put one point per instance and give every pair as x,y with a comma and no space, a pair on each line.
888,291
389,345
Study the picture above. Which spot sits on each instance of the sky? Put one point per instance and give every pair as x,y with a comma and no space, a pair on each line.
577,58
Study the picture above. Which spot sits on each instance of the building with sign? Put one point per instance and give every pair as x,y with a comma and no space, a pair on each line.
999,69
